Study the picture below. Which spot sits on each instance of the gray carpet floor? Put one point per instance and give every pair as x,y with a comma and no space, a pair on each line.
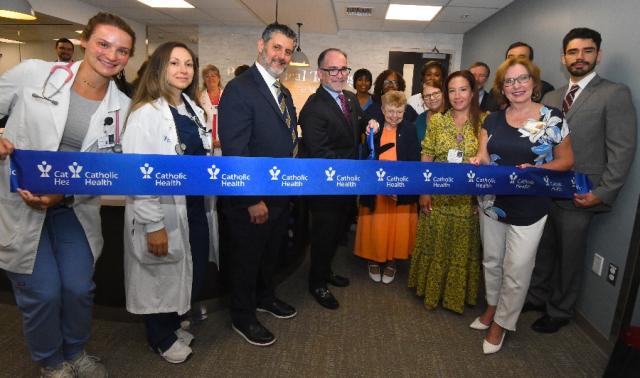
379,331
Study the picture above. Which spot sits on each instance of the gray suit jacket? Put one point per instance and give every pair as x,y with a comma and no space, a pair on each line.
602,121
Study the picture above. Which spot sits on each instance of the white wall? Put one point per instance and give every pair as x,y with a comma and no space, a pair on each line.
228,48
44,50
543,23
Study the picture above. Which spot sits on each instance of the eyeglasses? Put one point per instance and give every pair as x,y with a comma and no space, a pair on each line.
394,112
390,82
432,96
336,71
522,79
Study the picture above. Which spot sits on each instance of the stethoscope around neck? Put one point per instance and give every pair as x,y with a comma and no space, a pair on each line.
117,146
43,95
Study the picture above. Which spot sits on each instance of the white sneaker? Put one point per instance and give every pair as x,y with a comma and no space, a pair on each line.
87,366
178,353
184,336
64,370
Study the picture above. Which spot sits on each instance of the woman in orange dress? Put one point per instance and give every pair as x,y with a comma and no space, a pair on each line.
387,224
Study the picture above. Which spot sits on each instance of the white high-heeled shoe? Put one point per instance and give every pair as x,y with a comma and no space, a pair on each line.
477,324
488,348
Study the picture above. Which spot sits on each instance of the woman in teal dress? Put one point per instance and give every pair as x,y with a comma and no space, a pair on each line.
433,102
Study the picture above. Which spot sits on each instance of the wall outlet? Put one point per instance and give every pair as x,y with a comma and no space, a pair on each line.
598,262
612,274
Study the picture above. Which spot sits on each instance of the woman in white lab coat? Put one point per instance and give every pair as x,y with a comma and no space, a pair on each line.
168,239
49,243
209,100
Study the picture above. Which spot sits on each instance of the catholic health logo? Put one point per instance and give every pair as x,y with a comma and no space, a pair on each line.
163,179
228,180
288,180
213,172
520,183
342,181
44,169
554,186
480,181
391,181
427,175
76,171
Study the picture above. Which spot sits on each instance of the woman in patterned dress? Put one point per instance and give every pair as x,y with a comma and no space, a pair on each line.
445,264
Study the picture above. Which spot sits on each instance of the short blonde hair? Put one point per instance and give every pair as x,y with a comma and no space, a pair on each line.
394,98
210,68
531,68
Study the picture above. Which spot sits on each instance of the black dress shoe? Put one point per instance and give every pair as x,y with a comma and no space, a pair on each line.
255,334
528,306
278,308
337,281
547,324
325,298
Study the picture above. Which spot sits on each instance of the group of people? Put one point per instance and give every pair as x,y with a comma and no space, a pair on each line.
169,240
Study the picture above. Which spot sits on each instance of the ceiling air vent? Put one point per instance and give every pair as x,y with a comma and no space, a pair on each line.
359,11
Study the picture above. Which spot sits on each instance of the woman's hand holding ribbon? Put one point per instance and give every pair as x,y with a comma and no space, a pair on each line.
39,202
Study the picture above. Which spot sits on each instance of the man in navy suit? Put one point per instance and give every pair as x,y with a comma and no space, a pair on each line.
332,124
257,118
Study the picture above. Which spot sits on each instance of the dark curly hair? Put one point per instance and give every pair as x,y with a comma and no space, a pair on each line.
378,86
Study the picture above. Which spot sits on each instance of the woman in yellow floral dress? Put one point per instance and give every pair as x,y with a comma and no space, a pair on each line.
446,261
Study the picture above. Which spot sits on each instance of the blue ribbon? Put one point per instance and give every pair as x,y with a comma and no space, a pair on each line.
372,146
131,174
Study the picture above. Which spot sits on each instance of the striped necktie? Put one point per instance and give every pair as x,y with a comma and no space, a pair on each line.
287,118
568,99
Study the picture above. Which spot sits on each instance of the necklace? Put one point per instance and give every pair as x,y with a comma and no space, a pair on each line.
458,130
88,84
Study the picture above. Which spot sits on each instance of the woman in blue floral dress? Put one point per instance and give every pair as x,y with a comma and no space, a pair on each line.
525,134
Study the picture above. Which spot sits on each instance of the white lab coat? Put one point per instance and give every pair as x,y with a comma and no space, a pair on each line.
210,110
37,124
159,284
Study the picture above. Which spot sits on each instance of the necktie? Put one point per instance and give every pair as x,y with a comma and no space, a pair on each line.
568,99
287,118
344,106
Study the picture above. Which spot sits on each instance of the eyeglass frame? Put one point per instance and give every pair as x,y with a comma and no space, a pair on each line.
429,97
335,71
521,79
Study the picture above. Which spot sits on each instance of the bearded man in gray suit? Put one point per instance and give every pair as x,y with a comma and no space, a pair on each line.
602,120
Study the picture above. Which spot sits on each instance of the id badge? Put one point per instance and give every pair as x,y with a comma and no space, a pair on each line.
107,141
454,156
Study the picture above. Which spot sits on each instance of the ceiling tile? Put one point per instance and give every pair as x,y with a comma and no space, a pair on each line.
404,26
449,27
481,4
465,14
360,23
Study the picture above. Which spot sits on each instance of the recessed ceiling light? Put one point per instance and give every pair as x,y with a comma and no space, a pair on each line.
79,31
166,3
412,12
5,40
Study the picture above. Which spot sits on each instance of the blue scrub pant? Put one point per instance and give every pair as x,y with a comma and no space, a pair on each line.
56,300
161,327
